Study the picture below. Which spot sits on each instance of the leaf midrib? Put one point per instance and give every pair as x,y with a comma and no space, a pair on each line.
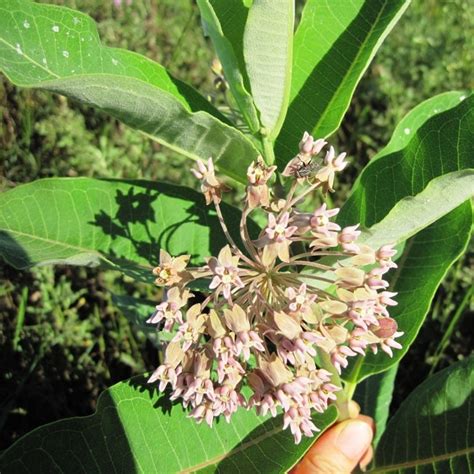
54,242
31,59
423,461
239,449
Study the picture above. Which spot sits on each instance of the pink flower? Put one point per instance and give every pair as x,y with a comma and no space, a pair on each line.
227,400
190,331
226,272
374,278
169,371
298,419
211,187
347,238
332,164
244,338
171,270
384,256
309,146
276,240
339,357
258,193
170,310
299,303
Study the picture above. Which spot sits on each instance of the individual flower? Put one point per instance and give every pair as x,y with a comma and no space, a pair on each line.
300,302
168,372
171,270
318,222
362,308
170,310
332,164
301,166
295,343
244,338
226,272
347,238
384,256
190,331
258,174
277,239
211,187
309,146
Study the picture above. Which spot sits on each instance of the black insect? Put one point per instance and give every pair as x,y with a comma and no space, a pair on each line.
305,170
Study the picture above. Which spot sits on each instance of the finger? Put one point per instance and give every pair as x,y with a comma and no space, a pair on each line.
339,450
368,420
354,409
364,462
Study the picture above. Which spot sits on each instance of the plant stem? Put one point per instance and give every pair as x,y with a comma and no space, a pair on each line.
342,398
269,154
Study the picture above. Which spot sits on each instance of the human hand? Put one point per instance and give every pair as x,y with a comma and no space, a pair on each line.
341,448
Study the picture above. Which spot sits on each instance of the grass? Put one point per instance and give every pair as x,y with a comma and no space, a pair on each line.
62,341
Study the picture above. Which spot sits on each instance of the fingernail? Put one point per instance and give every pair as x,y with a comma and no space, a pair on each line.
354,439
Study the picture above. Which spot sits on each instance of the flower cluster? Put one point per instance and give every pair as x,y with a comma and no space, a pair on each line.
275,306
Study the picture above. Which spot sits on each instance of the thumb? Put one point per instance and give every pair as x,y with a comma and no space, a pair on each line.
340,449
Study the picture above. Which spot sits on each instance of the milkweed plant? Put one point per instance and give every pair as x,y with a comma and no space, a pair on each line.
275,308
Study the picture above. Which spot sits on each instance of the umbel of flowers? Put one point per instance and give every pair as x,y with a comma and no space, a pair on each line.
273,304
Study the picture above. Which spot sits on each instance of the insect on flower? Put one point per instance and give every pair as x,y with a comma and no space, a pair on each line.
306,170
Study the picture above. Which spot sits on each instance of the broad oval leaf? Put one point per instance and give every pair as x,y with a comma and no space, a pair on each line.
433,431
435,140
230,64
268,46
87,221
334,44
135,430
58,49
374,396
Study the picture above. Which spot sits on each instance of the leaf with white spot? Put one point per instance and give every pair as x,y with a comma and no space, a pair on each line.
58,49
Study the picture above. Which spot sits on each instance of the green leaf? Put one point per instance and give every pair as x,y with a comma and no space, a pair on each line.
374,396
58,49
268,46
413,213
232,15
433,142
230,65
433,431
137,430
85,221
334,44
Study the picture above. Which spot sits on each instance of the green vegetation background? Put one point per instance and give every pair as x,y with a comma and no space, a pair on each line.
61,339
